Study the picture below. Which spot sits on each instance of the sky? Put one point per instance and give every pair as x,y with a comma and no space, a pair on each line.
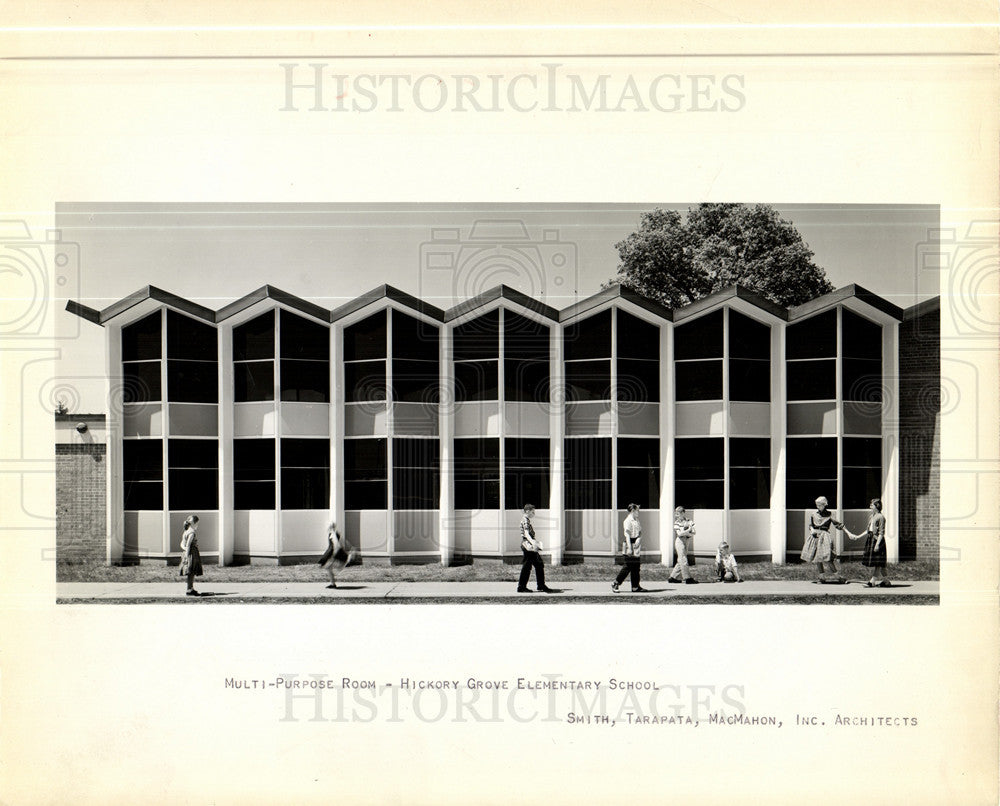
443,253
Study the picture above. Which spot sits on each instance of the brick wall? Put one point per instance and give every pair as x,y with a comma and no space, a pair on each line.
81,505
920,431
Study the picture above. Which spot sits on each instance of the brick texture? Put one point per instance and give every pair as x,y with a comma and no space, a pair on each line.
81,506
920,432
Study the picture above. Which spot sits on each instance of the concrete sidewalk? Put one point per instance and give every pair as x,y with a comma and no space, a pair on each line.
389,591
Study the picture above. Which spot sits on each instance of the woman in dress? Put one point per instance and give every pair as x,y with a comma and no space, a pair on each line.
190,556
818,547
683,537
631,545
874,555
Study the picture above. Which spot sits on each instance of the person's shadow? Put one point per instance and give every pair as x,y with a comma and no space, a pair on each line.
210,594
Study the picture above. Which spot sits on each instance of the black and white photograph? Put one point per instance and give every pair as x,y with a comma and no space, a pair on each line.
447,404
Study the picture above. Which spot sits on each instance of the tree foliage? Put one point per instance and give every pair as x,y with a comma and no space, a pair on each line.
676,262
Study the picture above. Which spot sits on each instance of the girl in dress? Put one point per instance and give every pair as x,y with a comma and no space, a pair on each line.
874,555
818,547
683,537
338,553
190,556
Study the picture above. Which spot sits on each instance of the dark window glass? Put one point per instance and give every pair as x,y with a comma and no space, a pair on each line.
862,380
638,381
305,381
527,452
699,380
303,339
306,452
749,488
365,495
699,494
192,453
190,339
476,380
478,339
366,339
192,381
415,488
254,340
636,338
472,453
141,382
365,459
253,381
412,338
477,474
424,453
141,341
524,338
748,338
803,494
698,458
638,452
590,338
862,338
588,380
749,452
365,381
639,485
812,458
749,380
253,495
813,338
861,485
253,460
415,381
588,494
701,338
142,459
305,488
812,380
862,452
474,492
526,380
588,458
527,487
194,489
143,495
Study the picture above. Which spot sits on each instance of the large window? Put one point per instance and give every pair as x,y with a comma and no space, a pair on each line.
365,360
862,471
141,353
811,471
194,474
253,359
365,474
192,360
477,473
698,358
699,473
305,360
588,473
415,360
811,352
638,472
587,350
142,466
638,360
305,473
749,473
526,472
253,474
526,359
477,358
416,475
749,359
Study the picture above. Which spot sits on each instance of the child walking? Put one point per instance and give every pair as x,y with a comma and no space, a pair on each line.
338,553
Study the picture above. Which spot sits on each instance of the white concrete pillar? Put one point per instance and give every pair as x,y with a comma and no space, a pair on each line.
779,425
557,425
114,395
226,417
667,471
337,415
890,439
446,433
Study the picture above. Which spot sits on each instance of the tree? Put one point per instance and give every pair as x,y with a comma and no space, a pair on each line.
675,262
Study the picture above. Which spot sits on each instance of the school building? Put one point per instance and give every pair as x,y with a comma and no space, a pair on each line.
423,431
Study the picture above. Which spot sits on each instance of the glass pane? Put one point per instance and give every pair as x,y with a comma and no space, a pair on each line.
862,380
253,381
526,453
423,453
587,458
588,494
699,458
861,485
143,495
526,487
365,459
637,338
365,381
192,381
590,338
638,452
476,380
365,495
699,380
415,381
749,452
366,339
524,338
141,341
749,488
860,452
190,339
302,338
192,453
254,339
414,488
477,493
812,380
699,494
308,452
141,382
478,339
639,486
526,380
812,458
194,489
142,459
748,338
477,456
862,338
803,494
305,488
305,381
812,338
749,380
253,495
638,381
253,460
413,338
701,338
588,380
